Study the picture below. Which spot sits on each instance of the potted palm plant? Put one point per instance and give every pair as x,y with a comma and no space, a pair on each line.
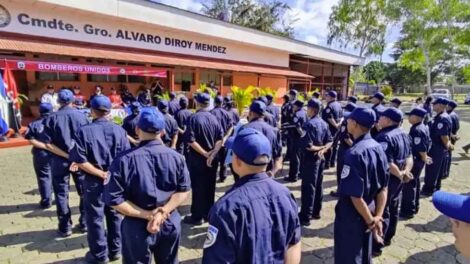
242,97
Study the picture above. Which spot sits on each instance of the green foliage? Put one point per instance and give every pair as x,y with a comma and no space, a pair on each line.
463,75
361,24
22,98
357,75
375,71
268,16
118,120
263,91
203,88
242,97
163,96
387,90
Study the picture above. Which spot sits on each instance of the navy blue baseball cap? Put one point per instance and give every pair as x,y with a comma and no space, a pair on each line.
363,116
396,101
314,103
293,92
65,96
227,99
249,145
101,102
352,99
151,121
184,101
379,96
453,205
441,100
316,94
453,104
270,97
263,99
393,113
349,107
134,105
299,103
258,107
203,98
332,94
218,99
172,95
162,105
418,111
45,108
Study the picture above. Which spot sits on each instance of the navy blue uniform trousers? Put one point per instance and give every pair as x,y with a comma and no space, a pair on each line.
295,157
311,188
42,168
410,195
434,172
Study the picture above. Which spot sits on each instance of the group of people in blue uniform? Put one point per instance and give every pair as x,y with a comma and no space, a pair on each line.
132,178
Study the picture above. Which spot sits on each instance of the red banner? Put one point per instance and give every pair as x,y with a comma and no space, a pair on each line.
43,66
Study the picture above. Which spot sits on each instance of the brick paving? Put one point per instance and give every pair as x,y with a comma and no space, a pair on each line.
28,234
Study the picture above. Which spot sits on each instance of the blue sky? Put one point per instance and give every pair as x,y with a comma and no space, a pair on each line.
311,25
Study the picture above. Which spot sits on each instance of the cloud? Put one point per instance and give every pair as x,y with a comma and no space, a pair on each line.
191,5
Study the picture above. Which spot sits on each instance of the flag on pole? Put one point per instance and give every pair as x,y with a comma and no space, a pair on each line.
10,85
3,90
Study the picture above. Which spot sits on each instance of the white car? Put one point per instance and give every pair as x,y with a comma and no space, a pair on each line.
437,93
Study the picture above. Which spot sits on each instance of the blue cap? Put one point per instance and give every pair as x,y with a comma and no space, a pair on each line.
314,103
218,99
134,105
263,99
453,104
249,145
349,107
396,101
393,113
203,98
162,105
293,92
151,121
299,103
172,95
101,102
258,107
455,206
352,99
316,94
143,99
332,94
379,96
270,97
418,111
227,99
363,116
184,101
65,96
45,108
441,100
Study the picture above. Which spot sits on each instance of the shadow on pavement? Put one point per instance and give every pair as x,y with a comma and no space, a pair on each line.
49,213
445,254
11,209
439,224
322,253
324,232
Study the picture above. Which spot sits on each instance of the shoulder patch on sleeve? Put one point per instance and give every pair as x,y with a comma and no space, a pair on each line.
296,119
211,236
384,145
327,110
440,125
108,177
343,128
345,171
417,140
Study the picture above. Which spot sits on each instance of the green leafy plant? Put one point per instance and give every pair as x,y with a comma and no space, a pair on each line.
263,91
164,96
203,88
387,91
242,97
118,120
22,98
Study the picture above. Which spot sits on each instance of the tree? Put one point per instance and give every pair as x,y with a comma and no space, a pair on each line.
267,16
375,71
361,24
403,78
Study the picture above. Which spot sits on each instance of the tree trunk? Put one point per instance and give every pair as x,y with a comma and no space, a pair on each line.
428,68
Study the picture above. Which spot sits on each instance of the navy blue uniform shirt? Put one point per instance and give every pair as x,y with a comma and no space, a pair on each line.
204,128
35,131
420,139
223,117
440,126
130,124
396,144
60,127
365,173
378,109
173,106
182,117
234,115
274,110
316,134
254,222
98,143
271,133
146,175
455,122
343,135
298,120
171,128
333,110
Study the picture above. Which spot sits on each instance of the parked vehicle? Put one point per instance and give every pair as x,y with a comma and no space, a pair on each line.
467,99
437,93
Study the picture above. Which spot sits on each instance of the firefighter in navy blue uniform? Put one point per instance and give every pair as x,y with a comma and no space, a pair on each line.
173,104
129,124
454,117
96,146
41,157
233,112
397,147
146,184
288,113
314,144
227,124
428,107
378,108
285,119
256,121
420,144
59,133
440,130
273,109
395,102
332,115
352,99
268,117
256,220
344,142
170,136
181,116
295,134
362,193
204,135
316,95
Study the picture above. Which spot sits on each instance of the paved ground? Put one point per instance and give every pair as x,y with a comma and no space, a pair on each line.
27,234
